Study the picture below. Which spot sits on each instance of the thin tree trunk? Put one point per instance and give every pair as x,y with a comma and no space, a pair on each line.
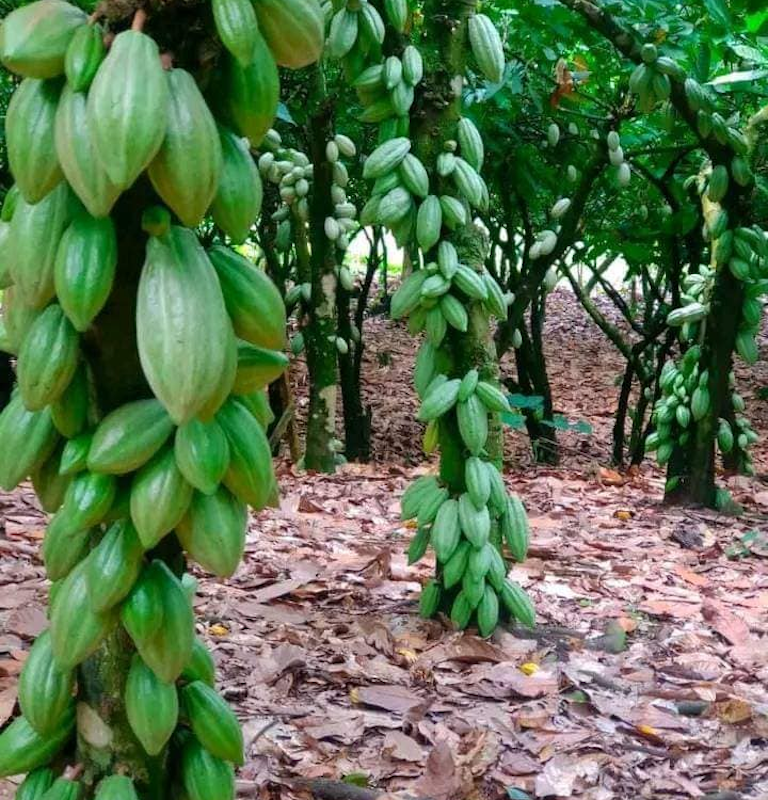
321,330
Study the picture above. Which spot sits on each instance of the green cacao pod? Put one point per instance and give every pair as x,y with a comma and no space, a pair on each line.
47,359
200,666
429,223
386,158
725,439
294,30
461,611
429,601
257,367
718,183
22,749
5,255
77,155
151,705
213,722
397,14
486,47
430,506
472,588
202,454
237,28
76,629
182,324
142,612
700,403
239,195
226,382
17,318
213,532
114,566
478,480
84,55
168,650
129,437
746,347
416,493
517,602
471,143
49,484
454,213
515,528
45,691
446,531
204,776
127,107
63,547
186,170
35,785
473,424
88,499
413,65
36,231
116,787
159,498
35,37
454,569
414,176
493,398
439,401
471,283
85,265
247,97
30,125
343,33
488,612
29,439
418,546
475,522
408,295
250,475
253,302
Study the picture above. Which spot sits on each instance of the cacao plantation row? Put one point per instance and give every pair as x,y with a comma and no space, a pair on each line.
186,192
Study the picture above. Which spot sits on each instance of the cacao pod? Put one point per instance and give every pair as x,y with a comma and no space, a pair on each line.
213,722
151,705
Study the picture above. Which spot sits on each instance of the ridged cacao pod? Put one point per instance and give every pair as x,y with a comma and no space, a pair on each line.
28,440
70,413
294,30
182,324
35,37
200,666
114,566
22,749
250,474
186,170
127,107
84,55
36,231
247,97
49,484
204,776
159,498
237,27
126,439
77,155
84,271
63,547
30,125
257,367
76,629
116,787
253,302
202,454
168,650
213,722
35,785
45,691
151,705
237,203
47,359
213,532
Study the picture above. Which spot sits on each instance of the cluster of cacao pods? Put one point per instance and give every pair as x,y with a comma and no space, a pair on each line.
100,114
740,249
424,205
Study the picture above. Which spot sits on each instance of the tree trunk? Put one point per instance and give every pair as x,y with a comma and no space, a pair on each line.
106,743
321,330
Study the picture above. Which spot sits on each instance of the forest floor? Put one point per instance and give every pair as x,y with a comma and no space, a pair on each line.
647,676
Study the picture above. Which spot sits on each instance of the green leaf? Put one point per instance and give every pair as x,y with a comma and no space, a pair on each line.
719,13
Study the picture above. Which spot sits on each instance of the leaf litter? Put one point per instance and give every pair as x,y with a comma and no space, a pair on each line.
647,676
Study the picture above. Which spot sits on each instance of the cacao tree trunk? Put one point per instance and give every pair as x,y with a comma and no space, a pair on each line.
322,327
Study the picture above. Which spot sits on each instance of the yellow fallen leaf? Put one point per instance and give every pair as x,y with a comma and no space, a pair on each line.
409,656
647,730
412,524
529,668
624,516
218,630
354,697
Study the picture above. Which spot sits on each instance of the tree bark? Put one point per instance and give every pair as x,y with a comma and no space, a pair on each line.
321,330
